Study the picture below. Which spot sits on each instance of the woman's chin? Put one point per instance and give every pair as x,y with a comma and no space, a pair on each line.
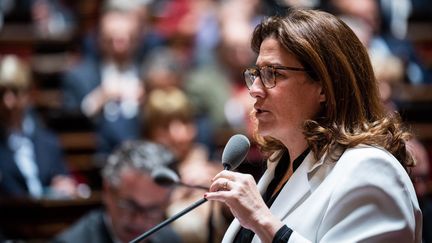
265,130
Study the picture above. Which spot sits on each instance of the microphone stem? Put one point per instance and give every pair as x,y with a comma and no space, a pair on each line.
168,220
193,186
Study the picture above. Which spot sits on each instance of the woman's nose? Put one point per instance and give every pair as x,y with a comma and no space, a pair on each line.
257,88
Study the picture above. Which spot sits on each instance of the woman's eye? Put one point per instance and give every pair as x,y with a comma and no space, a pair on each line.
278,74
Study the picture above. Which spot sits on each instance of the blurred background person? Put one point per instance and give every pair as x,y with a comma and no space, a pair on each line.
215,87
162,69
148,38
384,39
31,159
49,19
170,121
421,177
133,202
108,89
52,19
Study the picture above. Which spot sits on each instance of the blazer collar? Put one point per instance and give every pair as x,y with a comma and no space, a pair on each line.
290,198
304,180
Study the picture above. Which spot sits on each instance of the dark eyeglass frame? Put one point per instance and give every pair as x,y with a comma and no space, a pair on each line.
249,76
130,207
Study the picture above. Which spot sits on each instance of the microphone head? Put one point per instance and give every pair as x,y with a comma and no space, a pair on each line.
235,151
164,176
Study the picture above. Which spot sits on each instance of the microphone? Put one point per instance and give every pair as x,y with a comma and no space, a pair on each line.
167,177
234,153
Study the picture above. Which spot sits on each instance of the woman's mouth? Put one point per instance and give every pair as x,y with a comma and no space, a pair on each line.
261,112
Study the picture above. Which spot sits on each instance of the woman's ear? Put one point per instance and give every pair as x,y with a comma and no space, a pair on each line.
322,97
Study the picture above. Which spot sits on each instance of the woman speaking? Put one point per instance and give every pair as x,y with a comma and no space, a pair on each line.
337,164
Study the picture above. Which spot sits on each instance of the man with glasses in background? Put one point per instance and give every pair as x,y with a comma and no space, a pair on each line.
134,203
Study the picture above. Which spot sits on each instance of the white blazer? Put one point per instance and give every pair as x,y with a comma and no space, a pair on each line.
366,196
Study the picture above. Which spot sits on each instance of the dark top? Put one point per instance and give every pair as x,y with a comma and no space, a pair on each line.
92,228
77,83
245,235
48,156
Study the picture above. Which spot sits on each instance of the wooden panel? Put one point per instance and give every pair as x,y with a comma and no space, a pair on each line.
42,219
423,131
47,99
78,140
413,93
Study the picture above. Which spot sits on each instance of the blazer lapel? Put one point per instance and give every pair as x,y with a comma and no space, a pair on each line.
293,193
295,189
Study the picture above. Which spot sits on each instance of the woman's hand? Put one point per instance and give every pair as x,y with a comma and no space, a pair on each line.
240,193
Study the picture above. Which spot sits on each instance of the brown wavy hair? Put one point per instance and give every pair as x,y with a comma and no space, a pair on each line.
333,55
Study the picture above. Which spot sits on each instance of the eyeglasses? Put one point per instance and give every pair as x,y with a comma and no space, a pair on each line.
267,75
132,208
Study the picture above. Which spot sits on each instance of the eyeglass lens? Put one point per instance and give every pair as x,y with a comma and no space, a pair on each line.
266,74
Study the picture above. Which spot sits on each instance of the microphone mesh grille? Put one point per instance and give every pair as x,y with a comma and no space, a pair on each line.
235,151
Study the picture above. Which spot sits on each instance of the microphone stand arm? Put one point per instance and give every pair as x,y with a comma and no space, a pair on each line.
193,186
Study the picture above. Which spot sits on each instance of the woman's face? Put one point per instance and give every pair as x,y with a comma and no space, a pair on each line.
280,111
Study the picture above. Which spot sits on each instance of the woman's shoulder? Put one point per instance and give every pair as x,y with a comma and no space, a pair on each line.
371,165
366,154
367,169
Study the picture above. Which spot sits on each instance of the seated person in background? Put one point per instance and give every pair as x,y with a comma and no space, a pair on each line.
133,202
169,121
421,177
382,41
31,159
108,89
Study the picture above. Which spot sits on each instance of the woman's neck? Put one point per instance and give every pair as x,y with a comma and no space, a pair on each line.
295,145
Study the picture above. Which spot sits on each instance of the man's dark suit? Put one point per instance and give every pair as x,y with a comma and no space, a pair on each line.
92,228
48,157
79,82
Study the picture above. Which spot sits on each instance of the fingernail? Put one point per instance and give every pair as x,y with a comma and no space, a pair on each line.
205,195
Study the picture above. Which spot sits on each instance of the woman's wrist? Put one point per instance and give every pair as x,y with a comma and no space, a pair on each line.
267,228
